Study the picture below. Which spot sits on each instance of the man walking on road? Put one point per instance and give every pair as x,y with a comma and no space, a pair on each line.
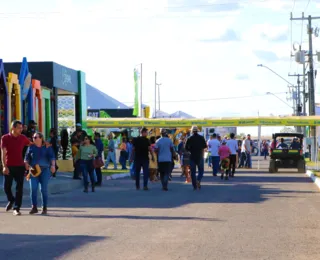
12,146
196,145
248,147
213,146
233,146
111,153
164,148
140,156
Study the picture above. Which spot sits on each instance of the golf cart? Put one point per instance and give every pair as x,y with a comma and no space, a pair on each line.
287,154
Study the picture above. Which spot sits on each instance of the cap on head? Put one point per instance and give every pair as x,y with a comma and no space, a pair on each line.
194,128
224,141
32,122
163,131
144,130
78,125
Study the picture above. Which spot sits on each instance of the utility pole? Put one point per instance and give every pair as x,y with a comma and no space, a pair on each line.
311,84
298,105
156,84
141,105
155,95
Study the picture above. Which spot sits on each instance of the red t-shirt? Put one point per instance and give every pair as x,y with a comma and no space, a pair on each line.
14,146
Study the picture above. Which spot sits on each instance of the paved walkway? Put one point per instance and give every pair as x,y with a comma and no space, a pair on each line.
61,184
254,216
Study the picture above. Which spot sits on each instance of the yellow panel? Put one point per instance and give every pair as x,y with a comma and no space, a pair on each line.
65,165
208,122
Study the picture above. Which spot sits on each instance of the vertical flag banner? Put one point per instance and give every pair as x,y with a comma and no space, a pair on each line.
136,107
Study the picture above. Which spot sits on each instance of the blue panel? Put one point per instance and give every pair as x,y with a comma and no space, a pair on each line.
24,70
6,110
65,78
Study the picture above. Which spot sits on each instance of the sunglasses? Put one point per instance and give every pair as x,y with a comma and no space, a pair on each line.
36,137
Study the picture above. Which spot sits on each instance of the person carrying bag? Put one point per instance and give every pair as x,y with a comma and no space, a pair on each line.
39,161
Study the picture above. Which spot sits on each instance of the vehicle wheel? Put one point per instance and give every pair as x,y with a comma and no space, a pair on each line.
301,166
255,151
272,166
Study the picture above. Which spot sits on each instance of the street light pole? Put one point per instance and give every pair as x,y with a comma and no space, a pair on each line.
261,65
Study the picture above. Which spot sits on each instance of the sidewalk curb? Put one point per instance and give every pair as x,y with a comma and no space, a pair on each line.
314,178
117,176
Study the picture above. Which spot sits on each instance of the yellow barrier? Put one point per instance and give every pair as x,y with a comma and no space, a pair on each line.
168,122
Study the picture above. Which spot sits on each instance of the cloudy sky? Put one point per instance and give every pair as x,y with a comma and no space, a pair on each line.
203,50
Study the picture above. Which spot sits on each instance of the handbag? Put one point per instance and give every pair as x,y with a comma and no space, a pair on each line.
34,171
98,163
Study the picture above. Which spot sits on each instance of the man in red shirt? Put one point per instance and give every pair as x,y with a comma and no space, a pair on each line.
12,145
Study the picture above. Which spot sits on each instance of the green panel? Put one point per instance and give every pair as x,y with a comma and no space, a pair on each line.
48,116
46,95
82,90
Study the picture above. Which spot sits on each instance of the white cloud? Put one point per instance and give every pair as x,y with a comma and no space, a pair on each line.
274,5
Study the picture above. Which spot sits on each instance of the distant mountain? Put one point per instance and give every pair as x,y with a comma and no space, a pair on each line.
97,99
181,114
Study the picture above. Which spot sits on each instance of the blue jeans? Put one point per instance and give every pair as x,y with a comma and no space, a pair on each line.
123,159
145,166
111,157
87,169
43,179
209,161
165,169
215,164
249,161
193,168
264,153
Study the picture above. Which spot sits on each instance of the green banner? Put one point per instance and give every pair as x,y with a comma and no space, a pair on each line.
136,94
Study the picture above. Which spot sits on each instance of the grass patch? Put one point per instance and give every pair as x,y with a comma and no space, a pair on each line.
311,164
316,173
112,171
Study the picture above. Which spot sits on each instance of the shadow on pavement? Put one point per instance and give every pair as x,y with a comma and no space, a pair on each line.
137,217
213,190
273,179
21,246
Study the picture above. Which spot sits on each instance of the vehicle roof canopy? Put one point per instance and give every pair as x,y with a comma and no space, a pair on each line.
287,135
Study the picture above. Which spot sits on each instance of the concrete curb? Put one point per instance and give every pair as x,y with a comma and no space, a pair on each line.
117,176
314,178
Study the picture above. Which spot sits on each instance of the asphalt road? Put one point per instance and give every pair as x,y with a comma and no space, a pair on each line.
256,215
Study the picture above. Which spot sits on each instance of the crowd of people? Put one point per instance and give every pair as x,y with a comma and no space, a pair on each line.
155,156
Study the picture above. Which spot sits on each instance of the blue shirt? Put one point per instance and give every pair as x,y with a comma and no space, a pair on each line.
129,147
39,155
164,146
111,144
99,146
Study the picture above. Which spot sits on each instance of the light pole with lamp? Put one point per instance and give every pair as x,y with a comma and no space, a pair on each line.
293,86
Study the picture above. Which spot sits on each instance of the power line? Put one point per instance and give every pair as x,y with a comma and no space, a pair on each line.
294,4
209,99
307,5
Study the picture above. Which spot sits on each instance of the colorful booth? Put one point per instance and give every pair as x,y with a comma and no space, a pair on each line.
4,126
13,98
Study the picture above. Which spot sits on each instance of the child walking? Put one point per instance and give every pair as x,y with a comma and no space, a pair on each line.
153,164
224,153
